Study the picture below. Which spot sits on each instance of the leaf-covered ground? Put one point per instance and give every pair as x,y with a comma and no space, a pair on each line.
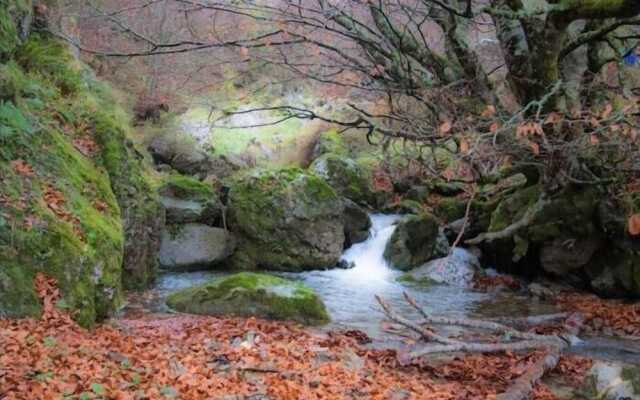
190,357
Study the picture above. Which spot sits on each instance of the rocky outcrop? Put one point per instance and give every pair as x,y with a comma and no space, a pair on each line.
416,240
345,176
194,246
578,235
252,295
356,223
286,220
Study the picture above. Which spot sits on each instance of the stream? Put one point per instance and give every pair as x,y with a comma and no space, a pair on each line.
349,296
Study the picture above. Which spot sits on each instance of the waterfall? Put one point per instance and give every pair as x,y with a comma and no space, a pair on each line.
370,265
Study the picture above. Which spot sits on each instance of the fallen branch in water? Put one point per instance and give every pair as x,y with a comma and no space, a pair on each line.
506,339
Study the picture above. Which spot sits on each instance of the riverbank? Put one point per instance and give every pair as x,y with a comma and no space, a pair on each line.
189,357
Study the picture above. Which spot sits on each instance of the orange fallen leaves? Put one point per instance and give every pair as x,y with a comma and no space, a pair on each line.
197,357
634,225
22,168
620,318
56,201
85,145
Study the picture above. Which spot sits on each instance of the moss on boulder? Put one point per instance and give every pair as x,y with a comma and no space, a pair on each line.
330,142
416,240
285,219
187,199
345,176
250,294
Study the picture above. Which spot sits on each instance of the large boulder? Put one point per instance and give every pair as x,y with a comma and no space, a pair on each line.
345,176
457,269
416,240
194,246
252,295
186,199
286,220
356,223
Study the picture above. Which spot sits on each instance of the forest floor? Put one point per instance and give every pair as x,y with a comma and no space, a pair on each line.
190,357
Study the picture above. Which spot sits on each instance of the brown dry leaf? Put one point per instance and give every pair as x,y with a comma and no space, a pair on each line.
100,205
535,147
494,127
85,145
634,225
444,128
22,167
489,111
608,109
464,146
593,139
553,118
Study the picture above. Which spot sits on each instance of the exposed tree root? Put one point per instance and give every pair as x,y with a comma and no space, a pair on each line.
507,338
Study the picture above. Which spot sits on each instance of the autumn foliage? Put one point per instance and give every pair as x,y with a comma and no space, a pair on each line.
191,357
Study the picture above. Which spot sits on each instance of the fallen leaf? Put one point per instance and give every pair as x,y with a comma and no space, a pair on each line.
634,225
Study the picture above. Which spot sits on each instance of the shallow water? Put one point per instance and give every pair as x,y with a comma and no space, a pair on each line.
349,295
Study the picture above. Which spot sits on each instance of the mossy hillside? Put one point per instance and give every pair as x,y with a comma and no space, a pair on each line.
84,250
13,14
142,212
251,294
285,219
58,211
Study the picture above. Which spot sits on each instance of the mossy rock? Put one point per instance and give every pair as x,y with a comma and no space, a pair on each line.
345,176
285,219
252,295
330,142
416,240
187,200
450,209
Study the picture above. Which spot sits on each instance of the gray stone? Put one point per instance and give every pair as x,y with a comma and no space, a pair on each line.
356,223
563,255
612,381
180,211
194,246
458,269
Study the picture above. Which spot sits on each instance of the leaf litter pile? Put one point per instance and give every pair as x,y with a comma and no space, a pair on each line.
193,357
